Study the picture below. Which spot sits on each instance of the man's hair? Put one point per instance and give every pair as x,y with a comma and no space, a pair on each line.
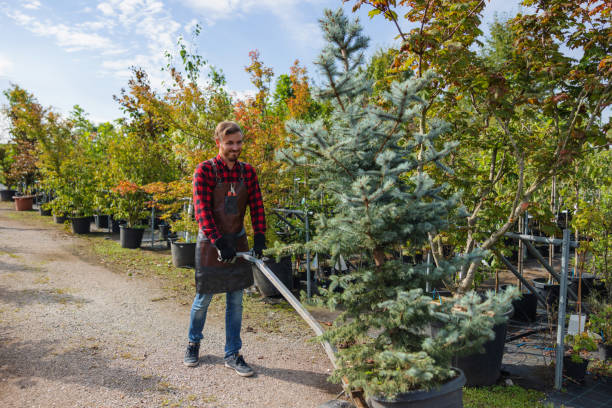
227,127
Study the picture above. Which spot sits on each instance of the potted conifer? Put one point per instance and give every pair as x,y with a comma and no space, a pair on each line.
370,161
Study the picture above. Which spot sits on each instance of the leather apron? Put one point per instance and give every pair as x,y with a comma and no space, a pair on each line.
228,207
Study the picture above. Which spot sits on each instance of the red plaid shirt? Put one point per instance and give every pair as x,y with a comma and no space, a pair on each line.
203,185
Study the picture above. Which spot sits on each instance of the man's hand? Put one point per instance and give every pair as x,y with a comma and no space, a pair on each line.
227,252
259,244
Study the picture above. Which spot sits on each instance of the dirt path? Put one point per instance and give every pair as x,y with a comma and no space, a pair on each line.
73,334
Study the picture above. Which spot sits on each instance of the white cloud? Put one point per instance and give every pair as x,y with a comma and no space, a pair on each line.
31,4
106,9
4,128
5,65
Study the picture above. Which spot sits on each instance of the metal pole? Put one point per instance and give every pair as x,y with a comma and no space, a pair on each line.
546,266
520,277
562,304
308,277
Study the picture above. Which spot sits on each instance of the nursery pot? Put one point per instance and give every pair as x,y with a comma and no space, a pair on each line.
604,351
525,307
44,212
183,254
448,395
59,219
574,370
283,272
23,203
130,237
116,224
588,283
80,225
550,292
7,195
101,221
484,368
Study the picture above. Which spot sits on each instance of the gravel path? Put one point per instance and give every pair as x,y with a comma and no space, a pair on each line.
73,334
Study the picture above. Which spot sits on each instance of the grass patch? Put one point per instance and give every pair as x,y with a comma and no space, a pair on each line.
502,397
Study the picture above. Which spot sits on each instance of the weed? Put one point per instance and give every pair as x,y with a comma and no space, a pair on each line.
502,397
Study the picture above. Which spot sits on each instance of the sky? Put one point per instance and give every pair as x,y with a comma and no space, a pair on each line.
80,51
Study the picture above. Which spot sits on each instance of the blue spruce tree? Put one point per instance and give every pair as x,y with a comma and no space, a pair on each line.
369,159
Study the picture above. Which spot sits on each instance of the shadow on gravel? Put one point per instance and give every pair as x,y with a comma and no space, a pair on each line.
81,365
10,267
309,378
43,296
23,229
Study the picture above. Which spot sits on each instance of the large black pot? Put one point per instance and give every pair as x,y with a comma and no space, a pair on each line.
484,368
59,219
525,307
101,221
574,370
281,269
588,283
604,351
7,195
42,212
80,225
116,224
550,292
448,395
183,254
130,237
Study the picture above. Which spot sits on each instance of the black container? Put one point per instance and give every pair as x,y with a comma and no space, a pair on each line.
525,307
574,370
183,254
116,224
130,237
448,395
80,225
604,351
101,221
42,212
59,219
484,368
588,283
550,292
7,195
283,272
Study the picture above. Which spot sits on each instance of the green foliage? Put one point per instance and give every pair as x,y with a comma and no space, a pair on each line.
502,397
579,344
186,224
600,322
370,162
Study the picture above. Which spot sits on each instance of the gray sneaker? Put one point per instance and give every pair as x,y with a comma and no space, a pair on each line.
192,355
236,362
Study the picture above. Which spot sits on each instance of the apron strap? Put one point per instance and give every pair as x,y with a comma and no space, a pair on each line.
241,172
214,166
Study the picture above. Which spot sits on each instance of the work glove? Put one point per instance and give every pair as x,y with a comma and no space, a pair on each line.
227,252
259,244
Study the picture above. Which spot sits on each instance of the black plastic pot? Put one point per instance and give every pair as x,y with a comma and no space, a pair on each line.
116,224
484,368
7,195
588,283
59,219
550,292
42,212
183,254
525,307
574,370
283,272
101,221
80,225
604,351
448,395
130,237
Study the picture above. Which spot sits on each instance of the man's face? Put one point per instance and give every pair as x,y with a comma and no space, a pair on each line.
230,147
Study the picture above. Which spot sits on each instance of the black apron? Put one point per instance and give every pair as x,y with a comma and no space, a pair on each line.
229,201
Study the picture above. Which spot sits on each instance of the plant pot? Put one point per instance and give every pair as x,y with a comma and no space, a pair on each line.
116,224
101,221
23,203
59,219
574,370
183,254
80,225
283,272
588,283
550,292
604,351
525,307
484,368
130,237
7,195
448,395
44,213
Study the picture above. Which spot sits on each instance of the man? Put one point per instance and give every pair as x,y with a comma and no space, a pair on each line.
222,187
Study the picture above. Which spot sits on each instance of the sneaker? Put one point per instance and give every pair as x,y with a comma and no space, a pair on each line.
192,355
236,362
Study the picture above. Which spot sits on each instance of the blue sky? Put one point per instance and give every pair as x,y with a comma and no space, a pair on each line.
79,52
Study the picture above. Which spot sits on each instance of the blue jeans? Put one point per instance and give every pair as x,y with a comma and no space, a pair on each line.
233,319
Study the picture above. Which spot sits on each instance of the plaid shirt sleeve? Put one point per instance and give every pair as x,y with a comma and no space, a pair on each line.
203,184
258,217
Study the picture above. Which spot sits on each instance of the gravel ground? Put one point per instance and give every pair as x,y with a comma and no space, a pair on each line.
74,334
